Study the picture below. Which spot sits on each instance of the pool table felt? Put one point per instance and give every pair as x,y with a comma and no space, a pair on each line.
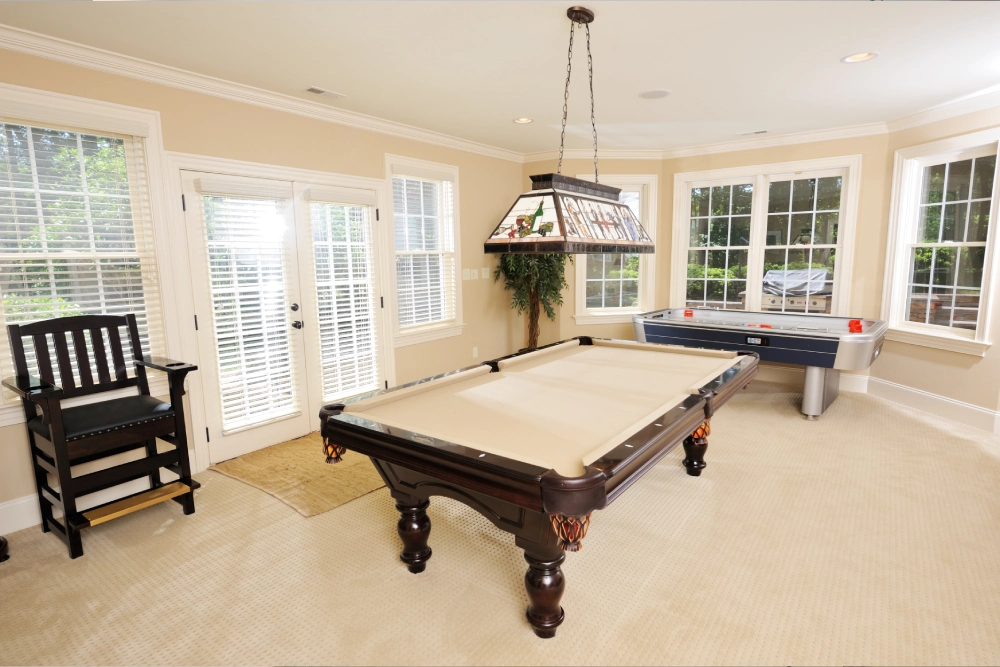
561,408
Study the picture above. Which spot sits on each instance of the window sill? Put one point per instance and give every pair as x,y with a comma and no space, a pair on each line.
624,317
426,334
940,341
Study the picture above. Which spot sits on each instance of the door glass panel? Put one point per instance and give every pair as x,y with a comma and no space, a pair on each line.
345,294
245,242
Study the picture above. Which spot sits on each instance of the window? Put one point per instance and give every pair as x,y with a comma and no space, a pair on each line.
76,236
766,238
939,265
424,207
611,287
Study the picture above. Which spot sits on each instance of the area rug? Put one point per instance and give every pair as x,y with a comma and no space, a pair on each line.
296,473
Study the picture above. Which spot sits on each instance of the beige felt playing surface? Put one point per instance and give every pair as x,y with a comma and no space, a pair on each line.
561,408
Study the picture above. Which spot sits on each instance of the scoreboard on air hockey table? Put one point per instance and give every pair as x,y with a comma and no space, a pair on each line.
824,345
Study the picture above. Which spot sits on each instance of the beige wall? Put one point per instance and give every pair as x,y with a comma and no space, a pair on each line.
204,125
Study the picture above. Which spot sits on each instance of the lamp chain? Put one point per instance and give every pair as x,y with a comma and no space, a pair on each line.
593,120
569,70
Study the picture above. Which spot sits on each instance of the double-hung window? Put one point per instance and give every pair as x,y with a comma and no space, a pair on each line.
425,223
766,238
941,243
611,287
76,235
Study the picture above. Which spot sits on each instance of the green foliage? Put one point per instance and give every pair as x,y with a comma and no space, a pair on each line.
630,271
525,274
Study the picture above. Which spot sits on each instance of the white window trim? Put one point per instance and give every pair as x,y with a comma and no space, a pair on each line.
649,187
44,107
759,175
906,173
398,165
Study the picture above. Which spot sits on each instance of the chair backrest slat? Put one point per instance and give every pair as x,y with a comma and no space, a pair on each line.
100,356
43,359
82,359
116,353
66,379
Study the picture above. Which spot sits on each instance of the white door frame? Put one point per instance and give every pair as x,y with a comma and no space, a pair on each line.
181,265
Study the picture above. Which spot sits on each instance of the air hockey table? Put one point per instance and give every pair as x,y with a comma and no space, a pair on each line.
825,345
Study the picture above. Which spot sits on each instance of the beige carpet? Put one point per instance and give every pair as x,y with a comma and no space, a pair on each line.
296,473
869,537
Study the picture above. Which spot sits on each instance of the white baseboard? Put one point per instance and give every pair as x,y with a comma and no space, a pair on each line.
949,408
795,376
19,514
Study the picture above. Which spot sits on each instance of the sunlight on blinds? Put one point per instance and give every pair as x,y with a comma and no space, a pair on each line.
245,239
342,249
425,257
76,235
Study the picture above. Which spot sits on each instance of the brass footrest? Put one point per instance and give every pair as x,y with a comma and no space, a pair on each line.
134,503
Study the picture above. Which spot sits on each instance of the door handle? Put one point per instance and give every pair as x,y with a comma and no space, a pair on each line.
297,324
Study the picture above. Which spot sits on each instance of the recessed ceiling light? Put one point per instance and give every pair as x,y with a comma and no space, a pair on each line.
859,57
523,121
654,94
315,90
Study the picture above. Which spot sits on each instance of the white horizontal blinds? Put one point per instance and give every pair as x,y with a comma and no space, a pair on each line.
245,242
425,250
76,234
345,294
948,253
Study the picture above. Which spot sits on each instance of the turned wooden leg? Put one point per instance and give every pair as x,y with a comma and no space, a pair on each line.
414,529
545,585
695,446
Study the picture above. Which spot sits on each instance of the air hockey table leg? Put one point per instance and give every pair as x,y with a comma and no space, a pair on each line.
819,390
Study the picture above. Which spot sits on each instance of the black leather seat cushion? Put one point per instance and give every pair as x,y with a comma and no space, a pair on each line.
86,420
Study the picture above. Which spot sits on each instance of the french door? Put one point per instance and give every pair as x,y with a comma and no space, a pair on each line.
285,290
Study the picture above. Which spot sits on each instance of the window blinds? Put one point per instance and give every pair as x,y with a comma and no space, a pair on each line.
345,294
76,235
245,243
425,257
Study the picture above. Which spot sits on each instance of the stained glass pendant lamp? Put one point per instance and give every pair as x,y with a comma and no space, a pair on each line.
568,215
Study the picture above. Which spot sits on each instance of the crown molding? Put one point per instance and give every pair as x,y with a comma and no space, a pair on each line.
988,98
73,53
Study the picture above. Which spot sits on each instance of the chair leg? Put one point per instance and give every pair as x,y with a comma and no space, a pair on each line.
74,539
41,478
154,475
187,502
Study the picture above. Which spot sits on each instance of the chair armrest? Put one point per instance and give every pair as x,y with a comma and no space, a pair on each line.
28,386
166,365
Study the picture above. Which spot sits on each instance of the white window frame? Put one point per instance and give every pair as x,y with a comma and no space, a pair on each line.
45,108
647,185
397,165
849,166
907,172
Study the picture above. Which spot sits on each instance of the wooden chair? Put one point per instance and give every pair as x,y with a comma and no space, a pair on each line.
64,437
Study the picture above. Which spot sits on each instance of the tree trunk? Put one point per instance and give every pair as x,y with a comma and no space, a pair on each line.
534,312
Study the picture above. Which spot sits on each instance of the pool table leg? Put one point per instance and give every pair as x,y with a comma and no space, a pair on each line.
414,528
545,585
695,446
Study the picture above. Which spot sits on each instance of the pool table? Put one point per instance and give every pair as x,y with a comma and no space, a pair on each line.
536,441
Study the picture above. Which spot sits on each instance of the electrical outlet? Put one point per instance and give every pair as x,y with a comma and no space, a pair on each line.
475,352
465,274
486,272
475,274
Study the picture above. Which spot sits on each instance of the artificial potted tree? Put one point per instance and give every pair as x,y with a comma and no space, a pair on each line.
536,282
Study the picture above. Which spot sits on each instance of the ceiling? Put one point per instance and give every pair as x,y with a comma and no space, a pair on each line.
467,69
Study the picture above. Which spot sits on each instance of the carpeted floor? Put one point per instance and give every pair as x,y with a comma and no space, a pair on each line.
296,473
869,537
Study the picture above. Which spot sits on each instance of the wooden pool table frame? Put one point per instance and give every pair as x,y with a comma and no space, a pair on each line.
546,512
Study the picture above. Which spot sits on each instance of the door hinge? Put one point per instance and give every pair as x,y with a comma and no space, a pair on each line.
376,215
207,437
381,300
195,322
183,204
386,384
